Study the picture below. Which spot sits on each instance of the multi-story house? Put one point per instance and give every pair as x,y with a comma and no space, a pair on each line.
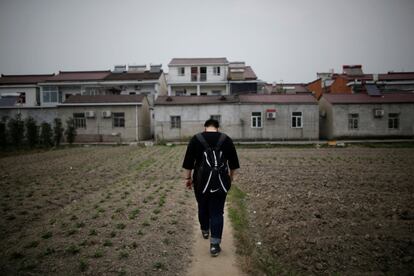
21,94
198,76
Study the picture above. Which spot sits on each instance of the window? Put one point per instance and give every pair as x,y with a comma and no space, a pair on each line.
181,71
393,120
256,119
50,94
216,117
22,98
180,93
79,120
216,92
297,119
175,121
194,73
203,73
118,119
216,70
203,93
353,119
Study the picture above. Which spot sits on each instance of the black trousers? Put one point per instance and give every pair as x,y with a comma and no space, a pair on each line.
210,213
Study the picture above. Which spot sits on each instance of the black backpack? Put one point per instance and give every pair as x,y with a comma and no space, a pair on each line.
213,173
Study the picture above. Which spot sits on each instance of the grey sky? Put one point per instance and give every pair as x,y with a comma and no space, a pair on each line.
281,40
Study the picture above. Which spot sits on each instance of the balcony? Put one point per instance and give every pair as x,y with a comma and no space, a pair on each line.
203,76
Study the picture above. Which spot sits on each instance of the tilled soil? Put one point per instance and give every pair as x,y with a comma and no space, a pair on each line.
95,211
323,211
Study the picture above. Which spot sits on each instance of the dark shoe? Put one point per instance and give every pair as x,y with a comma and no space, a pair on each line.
204,233
215,249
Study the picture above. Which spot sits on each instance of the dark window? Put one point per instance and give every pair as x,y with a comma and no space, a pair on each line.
194,73
297,119
353,120
393,120
181,71
175,121
203,73
256,119
22,98
216,117
79,120
118,119
216,70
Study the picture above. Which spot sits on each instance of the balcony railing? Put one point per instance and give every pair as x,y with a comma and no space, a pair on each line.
193,77
203,77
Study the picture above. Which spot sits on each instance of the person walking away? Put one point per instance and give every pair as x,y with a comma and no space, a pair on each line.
210,163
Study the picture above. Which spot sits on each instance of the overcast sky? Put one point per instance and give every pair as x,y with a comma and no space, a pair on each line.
281,40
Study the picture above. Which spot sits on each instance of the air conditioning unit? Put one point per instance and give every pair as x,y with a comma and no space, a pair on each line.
90,114
271,114
106,114
378,113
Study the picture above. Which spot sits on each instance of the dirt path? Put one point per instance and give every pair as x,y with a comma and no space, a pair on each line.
203,264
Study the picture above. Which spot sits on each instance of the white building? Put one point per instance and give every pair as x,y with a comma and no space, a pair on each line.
198,76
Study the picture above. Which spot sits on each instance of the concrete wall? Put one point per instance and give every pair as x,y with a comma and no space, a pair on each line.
38,113
30,94
335,125
236,121
102,129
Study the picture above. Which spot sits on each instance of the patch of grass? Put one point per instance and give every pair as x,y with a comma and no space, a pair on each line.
156,211
107,243
261,259
112,234
123,255
134,213
98,254
93,232
159,265
83,265
145,223
71,232
47,235
49,251
72,249
120,226
140,233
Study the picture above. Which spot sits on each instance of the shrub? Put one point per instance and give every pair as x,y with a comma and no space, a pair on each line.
32,132
70,131
57,131
3,133
16,130
46,135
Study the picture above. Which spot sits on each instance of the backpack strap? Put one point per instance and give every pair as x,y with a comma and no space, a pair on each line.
221,140
203,141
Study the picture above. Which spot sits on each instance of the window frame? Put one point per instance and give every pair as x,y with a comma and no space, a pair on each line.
217,71
181,71
118,120
48,92
353,121
256,121
394,121
175,121
216,117
296,120
79,121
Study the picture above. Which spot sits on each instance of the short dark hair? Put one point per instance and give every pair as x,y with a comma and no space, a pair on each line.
212,122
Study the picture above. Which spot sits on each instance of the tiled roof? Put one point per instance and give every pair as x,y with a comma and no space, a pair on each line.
194,100
198,61
23,79
283,98
79,76
396,76
147,75
99,99
366,99
247,99
249,74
